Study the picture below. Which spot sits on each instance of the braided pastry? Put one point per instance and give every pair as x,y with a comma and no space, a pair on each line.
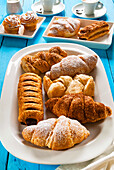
73,65
42,61
30,99
64,27
57,134
78,106
68,85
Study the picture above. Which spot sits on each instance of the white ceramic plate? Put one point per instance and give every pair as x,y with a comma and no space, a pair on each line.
26,34
37,7
103,42
10,128
97,14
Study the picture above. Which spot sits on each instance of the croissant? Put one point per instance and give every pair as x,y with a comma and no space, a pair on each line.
42,61
78,106
73,65
30,99
94,30
68,85
57,134
64,27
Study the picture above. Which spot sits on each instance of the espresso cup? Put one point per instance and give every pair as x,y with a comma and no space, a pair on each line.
91,5
14,6
48,4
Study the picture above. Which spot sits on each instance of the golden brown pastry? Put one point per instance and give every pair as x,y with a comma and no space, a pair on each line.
57,134
72,65
30,99
42,61
11,24
94,30
67,85
64,27
29,20
78,106
58,50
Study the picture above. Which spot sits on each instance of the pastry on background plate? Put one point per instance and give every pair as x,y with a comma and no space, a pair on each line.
94,30
57,134
78,106
29,20
64,27
30,99
11,24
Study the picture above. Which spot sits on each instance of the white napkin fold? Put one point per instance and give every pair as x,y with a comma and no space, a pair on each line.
103,162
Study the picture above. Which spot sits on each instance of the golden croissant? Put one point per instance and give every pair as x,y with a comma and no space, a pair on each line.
72,65
78,106
68,85
57,134
42,61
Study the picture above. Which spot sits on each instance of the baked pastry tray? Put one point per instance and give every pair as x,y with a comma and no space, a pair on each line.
99,43
11,129
25,34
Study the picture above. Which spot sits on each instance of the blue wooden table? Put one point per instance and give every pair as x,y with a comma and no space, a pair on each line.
9,46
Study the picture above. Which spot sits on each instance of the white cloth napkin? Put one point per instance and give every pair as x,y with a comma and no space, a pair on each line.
103,162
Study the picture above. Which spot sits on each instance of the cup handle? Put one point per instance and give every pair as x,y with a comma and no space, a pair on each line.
99,5
57,2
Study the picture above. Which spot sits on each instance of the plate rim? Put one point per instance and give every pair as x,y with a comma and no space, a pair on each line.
4,142
32,7
88,17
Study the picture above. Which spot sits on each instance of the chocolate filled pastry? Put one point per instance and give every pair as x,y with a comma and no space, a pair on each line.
64,27
57,134
29,20
30,99
78,106
11,24
93,31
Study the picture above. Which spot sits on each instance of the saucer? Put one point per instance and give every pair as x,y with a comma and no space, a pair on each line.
78,10
37,7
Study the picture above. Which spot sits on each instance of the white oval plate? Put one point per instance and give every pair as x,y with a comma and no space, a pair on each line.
101,133
37,7
97,14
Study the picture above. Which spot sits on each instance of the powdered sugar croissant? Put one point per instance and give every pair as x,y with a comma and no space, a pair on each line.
78,106
57,134
72,65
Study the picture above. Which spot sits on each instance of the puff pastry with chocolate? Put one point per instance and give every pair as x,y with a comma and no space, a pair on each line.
29,20
30,99
11,24
64,27
94,30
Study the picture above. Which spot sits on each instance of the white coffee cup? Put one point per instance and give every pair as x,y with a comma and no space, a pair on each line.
48,4
14,6
91,5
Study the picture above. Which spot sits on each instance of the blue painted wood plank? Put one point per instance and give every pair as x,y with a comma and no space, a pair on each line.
16,164
48,167
3,157
9,47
